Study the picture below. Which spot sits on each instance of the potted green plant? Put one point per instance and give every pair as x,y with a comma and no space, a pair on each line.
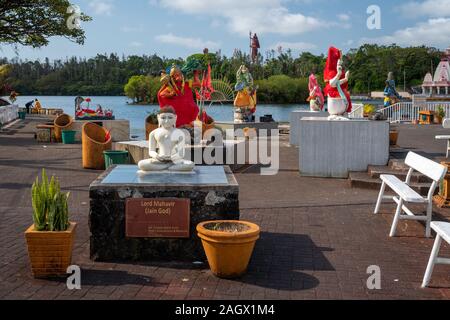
151,123
439,114
50,238
228,245
369,109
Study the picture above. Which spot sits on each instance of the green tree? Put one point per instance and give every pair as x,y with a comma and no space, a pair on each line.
142,89
32,22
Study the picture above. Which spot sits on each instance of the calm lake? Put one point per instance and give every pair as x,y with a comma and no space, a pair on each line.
137,114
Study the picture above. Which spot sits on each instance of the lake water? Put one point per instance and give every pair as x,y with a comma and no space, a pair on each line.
136,114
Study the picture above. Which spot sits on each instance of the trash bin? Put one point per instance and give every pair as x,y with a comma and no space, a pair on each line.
22,115
115,157
62,122
95,140
68,136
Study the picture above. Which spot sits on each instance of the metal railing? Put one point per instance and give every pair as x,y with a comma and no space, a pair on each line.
408,111
357,111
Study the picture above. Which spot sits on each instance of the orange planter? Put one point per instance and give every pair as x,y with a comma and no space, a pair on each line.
62,122
50,253
393,137
93,139
228,252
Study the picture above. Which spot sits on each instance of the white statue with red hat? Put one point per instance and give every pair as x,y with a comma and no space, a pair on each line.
336,89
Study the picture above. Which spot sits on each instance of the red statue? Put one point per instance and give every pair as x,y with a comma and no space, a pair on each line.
336,80
176,92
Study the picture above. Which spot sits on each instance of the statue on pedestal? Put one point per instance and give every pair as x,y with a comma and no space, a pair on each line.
336,89
316,99
391,95
245,102
166,146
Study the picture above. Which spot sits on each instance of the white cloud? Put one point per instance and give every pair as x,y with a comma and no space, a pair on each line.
434,32
260,16
297,46
343,17
101,7
136,44
192,43
429,8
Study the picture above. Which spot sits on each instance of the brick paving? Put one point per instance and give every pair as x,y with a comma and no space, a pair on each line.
318,235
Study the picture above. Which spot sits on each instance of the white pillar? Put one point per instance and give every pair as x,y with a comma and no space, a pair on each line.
438,90
446,91
423,90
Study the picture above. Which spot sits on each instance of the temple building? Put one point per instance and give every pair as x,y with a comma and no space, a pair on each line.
440,83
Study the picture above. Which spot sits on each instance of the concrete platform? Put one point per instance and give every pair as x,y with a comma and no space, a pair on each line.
268,126
334,148
231,151
211,191
295,118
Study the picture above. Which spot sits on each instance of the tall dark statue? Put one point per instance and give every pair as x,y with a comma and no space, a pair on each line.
254,45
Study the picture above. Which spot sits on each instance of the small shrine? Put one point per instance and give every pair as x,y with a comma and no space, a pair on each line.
439,83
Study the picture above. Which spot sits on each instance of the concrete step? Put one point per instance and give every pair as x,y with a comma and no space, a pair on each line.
364,181
396,164
376,171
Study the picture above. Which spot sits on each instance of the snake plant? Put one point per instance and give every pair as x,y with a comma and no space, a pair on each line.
50,210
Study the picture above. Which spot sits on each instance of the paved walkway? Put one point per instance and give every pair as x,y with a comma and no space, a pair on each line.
318,235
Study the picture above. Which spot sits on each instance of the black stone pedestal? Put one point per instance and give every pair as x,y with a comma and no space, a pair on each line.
213,193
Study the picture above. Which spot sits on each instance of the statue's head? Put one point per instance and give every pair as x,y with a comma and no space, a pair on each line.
167,118
176,73
390,75
165,78
334,60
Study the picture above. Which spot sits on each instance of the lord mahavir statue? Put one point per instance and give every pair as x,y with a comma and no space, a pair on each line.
166,146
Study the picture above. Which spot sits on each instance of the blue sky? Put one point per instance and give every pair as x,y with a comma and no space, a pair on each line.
178,28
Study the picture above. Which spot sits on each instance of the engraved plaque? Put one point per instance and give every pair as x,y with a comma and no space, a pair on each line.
157,218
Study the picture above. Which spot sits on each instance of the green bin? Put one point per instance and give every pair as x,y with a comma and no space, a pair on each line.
68,137
115,157
22,115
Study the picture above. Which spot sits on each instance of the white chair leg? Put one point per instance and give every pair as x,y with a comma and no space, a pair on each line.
448,147
380,198
398,212
428,222
432,261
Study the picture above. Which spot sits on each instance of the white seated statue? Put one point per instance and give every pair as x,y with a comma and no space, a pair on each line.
166,146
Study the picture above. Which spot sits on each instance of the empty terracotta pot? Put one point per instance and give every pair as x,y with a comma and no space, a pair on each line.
94,140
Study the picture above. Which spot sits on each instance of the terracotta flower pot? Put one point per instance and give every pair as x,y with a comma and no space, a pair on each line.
393,137
50,253
62,122
228,245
